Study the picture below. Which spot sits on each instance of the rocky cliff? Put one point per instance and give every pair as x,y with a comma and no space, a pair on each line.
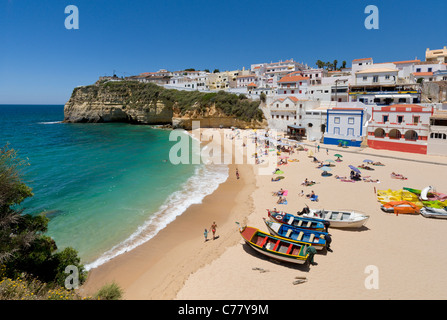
146,103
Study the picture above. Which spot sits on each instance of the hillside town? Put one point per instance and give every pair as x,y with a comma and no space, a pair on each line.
398,105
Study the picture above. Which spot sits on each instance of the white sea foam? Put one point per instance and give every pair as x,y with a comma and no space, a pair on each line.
205,181
50,122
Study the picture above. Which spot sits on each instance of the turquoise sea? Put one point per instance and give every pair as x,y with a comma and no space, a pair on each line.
105,187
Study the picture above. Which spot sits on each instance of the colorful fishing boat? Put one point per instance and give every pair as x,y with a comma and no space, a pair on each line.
311,237
339,219
296,221
275,247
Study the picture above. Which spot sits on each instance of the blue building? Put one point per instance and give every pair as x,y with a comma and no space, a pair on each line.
345,126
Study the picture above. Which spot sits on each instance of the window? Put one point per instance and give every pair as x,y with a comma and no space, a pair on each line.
430,69
415,119
400,119
336,130
365,78
337,120
293,91
351,120
385,119
350,131
387,77
418,70
376,79
287,105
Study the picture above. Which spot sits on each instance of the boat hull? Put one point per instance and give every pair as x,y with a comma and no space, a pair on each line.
434,213
275,247
339,219
278,229
296,221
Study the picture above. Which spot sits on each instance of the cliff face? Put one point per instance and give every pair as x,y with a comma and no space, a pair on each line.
98,104
149,104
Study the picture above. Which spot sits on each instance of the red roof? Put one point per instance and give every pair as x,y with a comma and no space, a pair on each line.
408,61
423,73
292,79
362,59
251,85
404,107
294,99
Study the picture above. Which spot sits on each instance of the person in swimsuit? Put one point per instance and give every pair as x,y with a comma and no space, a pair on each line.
213,229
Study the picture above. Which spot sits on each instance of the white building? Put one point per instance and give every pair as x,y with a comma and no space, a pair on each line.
437,139
294,85
345,125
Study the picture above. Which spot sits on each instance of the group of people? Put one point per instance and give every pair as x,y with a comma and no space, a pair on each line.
213,229
307,182
355,176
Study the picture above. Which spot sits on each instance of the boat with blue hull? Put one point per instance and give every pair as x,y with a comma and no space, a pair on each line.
296,221
312,237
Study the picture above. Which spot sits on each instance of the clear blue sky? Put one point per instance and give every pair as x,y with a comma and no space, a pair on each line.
41,61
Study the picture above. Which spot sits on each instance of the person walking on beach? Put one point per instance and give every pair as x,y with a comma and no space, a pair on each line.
311,252
206,235
213,229
326,225
237,173
328,239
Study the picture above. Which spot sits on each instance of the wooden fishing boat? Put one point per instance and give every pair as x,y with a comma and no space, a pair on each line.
311,237
275,247
339,219
437,213
296,221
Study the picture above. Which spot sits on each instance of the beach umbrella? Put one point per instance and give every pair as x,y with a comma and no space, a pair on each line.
367,160
329,160
355,169
338,155
325,168
279,172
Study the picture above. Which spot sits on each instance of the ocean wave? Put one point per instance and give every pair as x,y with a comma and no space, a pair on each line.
205,181
50,122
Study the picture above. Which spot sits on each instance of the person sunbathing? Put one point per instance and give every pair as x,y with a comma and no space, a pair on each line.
338,177
398,176
371,180
378,163
276,179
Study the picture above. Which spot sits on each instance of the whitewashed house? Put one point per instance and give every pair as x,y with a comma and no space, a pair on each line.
346,126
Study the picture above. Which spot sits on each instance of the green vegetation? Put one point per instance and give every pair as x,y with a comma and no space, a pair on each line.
331,66
31,267
134,94
109,292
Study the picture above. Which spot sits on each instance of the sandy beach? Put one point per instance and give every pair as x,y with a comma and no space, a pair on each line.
407,252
